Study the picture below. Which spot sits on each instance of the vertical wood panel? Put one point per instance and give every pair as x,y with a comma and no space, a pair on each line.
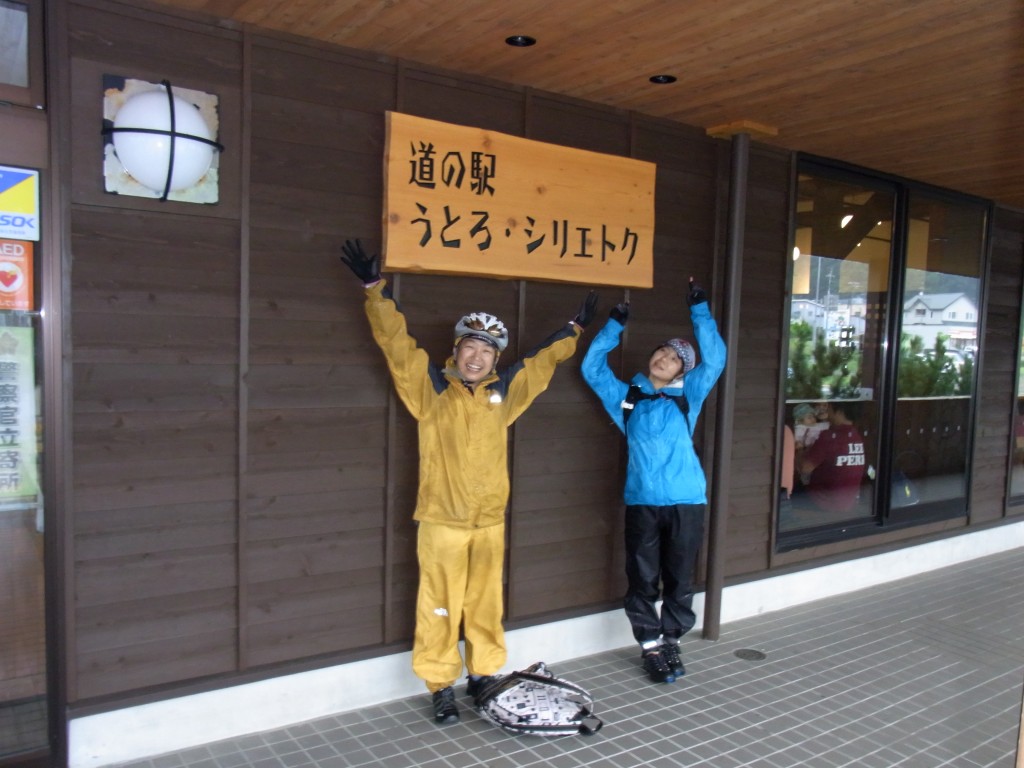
997,385
439,96
758,359
573,124
560,518
154,334
317,385
326,455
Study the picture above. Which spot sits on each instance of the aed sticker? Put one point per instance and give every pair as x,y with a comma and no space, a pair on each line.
16,275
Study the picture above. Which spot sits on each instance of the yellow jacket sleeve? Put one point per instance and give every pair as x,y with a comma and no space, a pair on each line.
531,375
409,364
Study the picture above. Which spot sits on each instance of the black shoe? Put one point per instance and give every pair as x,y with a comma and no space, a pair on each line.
445,710
477,685
670,652
656,667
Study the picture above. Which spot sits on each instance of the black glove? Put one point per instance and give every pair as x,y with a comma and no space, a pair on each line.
586,313
620,312
697,294
366,268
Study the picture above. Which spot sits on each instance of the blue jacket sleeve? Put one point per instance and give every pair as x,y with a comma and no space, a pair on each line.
699,382
598,374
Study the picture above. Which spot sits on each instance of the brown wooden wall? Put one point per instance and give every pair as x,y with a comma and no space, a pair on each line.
243,475
758,361
998,383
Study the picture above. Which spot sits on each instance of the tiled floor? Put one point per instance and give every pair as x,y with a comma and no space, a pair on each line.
920,673
22,726
22,641
22,636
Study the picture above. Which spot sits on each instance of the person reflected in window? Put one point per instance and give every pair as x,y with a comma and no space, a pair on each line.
835,465
806,426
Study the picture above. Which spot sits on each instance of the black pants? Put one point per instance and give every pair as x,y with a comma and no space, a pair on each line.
661,553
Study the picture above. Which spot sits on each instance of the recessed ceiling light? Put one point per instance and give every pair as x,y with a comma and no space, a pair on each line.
521,41
663,79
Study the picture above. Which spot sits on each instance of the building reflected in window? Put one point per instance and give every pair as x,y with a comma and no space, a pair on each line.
879,385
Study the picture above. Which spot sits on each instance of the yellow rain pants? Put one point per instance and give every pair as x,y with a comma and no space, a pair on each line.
460,580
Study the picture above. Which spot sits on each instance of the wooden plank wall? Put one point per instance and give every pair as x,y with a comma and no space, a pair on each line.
758,359
997,386
154,292
318,397
244,477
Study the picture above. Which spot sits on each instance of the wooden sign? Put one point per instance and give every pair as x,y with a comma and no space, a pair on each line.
470,201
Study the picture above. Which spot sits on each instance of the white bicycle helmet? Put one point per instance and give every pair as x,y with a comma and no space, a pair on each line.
480,325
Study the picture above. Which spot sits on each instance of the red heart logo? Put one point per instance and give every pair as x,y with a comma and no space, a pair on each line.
8,278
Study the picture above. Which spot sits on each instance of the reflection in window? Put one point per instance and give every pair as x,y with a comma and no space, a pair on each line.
1017,472
880,387
14,43
838,288
937,349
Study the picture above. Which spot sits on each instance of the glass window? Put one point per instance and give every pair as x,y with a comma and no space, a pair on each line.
935,379
884,293
21,52
1017,470
23,652
14,43
23,713
838,295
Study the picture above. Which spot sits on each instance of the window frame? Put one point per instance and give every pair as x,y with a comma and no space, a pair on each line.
34,94
1014,496
882,521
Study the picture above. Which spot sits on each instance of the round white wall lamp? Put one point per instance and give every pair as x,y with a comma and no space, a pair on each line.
162,141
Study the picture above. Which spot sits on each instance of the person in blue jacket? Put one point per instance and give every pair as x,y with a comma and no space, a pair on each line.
665,491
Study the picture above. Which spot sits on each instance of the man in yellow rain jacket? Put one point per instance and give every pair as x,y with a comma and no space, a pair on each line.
464,411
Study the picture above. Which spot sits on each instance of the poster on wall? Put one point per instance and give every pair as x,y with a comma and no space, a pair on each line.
19,203
16,275
464,200
18,412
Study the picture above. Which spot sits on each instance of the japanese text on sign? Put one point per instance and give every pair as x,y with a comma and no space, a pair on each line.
466,201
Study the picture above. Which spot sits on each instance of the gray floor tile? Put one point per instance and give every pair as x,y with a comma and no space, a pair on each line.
923,672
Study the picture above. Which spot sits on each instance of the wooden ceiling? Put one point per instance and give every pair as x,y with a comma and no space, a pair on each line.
928,89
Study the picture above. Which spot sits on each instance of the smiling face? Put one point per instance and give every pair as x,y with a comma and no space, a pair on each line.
664,367
474,359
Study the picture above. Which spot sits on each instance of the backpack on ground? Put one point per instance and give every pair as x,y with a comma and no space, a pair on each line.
535,702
